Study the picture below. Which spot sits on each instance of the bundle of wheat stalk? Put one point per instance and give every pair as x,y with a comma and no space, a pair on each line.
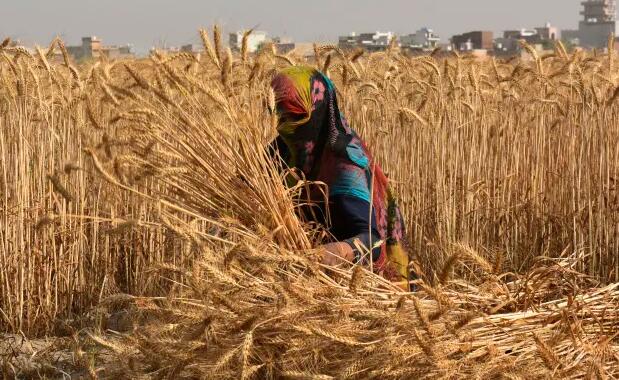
256,310
112,169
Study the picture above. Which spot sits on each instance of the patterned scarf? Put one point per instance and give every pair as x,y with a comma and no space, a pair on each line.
321,144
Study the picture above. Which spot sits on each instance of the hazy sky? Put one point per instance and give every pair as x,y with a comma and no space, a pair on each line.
146,23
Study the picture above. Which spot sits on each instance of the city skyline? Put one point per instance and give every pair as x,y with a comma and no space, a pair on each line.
147,23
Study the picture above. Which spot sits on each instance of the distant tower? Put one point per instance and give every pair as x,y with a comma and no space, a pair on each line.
91,47
599,21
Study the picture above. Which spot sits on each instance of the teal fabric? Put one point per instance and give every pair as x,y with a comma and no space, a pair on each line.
358,156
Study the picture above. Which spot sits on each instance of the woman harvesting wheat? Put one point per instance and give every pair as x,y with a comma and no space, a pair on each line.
316,140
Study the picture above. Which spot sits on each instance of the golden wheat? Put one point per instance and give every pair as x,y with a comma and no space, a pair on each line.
149,177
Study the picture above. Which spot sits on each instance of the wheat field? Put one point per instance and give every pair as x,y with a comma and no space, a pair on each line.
143,185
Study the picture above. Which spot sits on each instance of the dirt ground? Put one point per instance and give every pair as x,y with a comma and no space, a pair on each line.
72,356
51,358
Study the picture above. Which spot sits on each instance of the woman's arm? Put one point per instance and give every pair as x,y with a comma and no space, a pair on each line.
350,221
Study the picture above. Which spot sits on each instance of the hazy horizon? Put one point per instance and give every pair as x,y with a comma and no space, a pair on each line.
147,23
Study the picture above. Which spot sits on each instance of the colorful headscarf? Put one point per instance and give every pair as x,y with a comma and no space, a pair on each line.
322,145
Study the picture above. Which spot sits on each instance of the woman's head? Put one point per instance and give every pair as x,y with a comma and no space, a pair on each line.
309,117
299,92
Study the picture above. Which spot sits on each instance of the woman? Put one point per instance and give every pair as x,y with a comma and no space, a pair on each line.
315,139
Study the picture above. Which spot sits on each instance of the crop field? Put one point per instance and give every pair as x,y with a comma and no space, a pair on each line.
144,229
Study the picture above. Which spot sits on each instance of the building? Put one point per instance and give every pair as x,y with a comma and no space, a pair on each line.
374,41
190,48
348,42
529,35
303,49
283,45
93,48
599,22
423,39
117,52
90,48
570,36
477,40
506,46
548,33
541,38
254,41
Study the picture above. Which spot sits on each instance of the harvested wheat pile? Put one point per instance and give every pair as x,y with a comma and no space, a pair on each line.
257,311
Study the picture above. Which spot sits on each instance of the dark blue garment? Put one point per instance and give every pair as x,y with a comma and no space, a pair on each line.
349,215
350,220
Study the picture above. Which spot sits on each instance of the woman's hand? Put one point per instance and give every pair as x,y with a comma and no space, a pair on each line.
336,253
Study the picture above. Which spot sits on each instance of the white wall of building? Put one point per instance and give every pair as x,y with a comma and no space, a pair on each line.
254,40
